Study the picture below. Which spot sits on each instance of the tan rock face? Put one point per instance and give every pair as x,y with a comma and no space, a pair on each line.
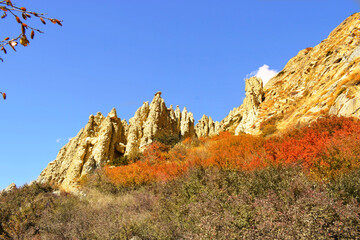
156,120
249,110
320,80
241,119
105,138
187,124
135,130
207,127
9,188
93,146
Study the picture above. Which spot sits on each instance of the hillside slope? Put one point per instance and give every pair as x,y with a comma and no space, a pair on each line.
320,80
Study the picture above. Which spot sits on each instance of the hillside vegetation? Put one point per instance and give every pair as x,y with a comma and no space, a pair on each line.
301,184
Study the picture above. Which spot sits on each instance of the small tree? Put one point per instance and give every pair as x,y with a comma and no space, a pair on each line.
21,15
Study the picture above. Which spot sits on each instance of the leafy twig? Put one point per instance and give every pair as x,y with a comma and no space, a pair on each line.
21,14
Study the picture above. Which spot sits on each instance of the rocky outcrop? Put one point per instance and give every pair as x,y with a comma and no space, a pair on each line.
347,106
100,141
254,96
106,138
156,120
8,189
186,124
318,81
207,127
241,119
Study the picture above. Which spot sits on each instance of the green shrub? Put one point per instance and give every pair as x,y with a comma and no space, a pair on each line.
21,210
167,139
346,187
206,203
99,181
273,203
119,161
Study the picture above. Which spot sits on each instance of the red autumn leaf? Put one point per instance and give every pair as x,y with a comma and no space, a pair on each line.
18,19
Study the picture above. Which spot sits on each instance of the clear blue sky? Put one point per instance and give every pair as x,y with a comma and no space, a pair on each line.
119,53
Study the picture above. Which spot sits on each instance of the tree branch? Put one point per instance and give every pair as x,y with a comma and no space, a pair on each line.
21,14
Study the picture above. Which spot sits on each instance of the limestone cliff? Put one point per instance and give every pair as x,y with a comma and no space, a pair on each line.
207,127
320,80
156,120
105,138
241,119
100,141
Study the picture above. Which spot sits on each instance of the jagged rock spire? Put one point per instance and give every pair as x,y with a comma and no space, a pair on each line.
104,139
92,147
207,127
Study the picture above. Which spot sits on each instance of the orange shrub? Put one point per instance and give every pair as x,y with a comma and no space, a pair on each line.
230,152
156,152
326,148
140,173
156,165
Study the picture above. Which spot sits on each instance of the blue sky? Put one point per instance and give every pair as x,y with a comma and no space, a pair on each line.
119,53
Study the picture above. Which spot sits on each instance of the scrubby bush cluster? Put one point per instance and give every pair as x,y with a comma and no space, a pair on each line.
21,210
271,203
304,184
204,203
326,149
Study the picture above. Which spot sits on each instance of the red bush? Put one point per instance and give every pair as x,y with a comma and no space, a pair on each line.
327,148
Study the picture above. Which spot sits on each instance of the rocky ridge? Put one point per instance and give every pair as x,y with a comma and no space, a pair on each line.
104,139
318,81
242,118
8,189
154,120
321,80
101,140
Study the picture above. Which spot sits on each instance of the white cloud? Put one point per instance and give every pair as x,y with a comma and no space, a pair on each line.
63,139
264,72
